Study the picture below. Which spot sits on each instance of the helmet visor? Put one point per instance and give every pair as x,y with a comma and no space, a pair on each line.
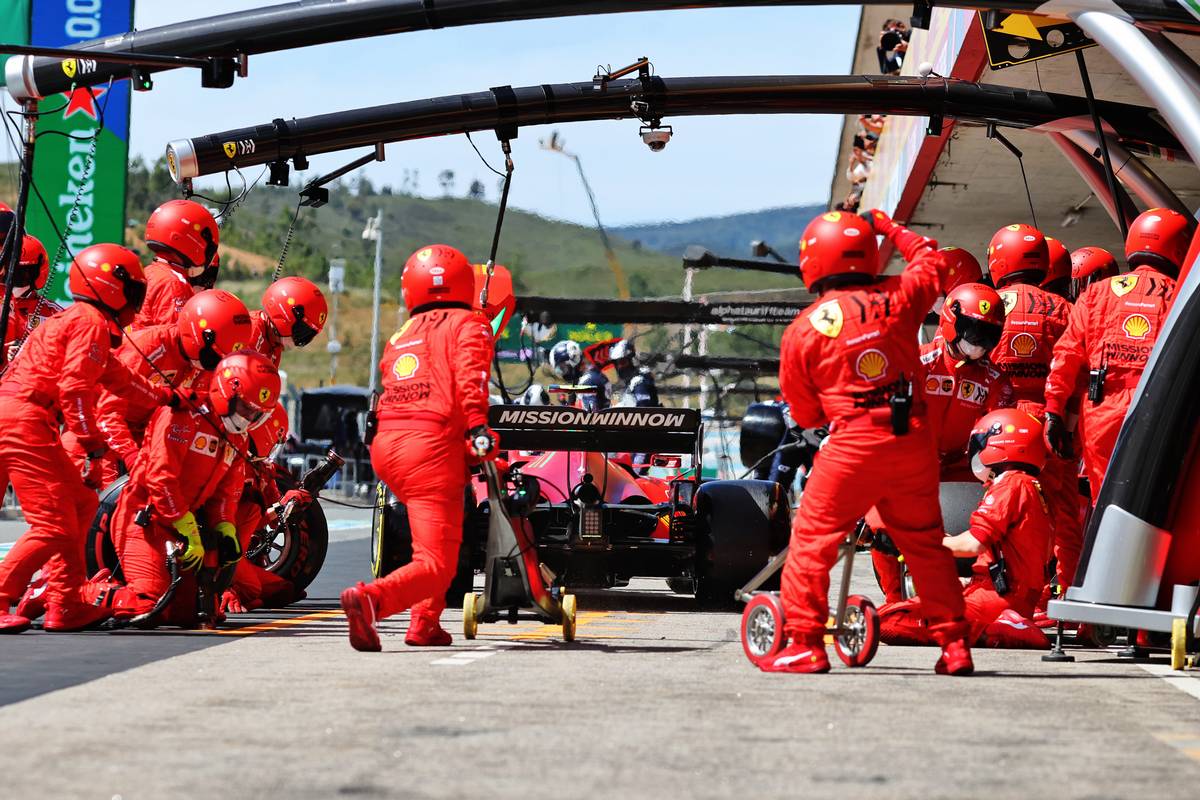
243,417
977,332
302,332
135,291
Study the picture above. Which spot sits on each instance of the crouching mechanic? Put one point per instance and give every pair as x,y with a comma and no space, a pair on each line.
959,385
29,307
190,472
293,313
1008,537
849,362
55,378
432,416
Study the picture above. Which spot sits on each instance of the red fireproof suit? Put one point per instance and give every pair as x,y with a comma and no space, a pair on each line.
841,361
57,372
1012,522
1113,327
23,309
1033,323
184,466
167,289
435,388
957,393
263,338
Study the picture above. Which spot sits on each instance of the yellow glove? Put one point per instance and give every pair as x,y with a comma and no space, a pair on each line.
228,545
193,554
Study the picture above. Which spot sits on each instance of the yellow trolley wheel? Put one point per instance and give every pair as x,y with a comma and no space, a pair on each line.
568,617
1178,643
470,622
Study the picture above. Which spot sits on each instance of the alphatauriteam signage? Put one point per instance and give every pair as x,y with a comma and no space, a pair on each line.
60,169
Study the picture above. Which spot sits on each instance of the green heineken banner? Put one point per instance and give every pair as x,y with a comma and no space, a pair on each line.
509,345
61,168
14,27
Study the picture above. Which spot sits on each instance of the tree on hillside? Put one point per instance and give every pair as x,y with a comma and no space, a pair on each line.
477,190
446,179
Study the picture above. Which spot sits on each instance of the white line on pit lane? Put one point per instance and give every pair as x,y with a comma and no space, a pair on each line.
1179,680
471,656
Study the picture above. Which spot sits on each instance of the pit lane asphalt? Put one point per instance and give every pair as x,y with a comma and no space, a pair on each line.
654,700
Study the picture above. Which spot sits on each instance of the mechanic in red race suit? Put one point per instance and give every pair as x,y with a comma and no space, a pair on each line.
254,587
33,270
1111,332
1019,258
1058,269
1008,536
211,325
293,313
959,385
192,463
1088,265
432,417
55,376
848,363
183,237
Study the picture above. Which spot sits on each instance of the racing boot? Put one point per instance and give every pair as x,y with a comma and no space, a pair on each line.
33,602
803,655
956,653
426,630
12,623
361,613
74,616
1012,630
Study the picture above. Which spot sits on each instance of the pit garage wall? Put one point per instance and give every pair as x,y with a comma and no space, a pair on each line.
905,157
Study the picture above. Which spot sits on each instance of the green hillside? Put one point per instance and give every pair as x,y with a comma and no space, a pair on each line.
546,257
728,235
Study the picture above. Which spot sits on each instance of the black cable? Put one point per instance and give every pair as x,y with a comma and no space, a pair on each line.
287,242
481,158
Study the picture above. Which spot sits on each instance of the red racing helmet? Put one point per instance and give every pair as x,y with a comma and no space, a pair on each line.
1018,252
213,324
1091,264
244,390
1159,238
1006,438
973,315
1058,270
437,274
183,233
837,244
34,267
963,267
269,435
111,277
296,308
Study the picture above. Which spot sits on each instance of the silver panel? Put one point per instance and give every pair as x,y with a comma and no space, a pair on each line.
1126,565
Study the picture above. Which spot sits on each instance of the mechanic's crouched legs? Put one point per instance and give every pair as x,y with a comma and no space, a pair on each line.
860,466
427,471
142,553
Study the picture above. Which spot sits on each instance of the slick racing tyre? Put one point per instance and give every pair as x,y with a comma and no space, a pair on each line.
859,638
297,553
99,551
391,543
762,628
742,524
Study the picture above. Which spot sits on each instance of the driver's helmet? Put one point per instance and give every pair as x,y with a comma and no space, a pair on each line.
565,359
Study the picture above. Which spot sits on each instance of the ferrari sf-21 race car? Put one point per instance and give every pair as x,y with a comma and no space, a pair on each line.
608,496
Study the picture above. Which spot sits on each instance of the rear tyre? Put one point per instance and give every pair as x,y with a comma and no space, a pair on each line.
470,621
568,617
859,639
298,552
762,628
742,524
100,552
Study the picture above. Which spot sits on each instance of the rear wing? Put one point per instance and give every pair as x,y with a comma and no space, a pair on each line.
613,430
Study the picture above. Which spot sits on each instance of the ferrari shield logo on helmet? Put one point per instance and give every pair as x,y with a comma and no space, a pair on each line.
230,149
985,306
871,365
264,395
69,67
826,319
1010,301
1123,284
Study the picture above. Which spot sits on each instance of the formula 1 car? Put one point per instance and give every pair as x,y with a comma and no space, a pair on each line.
598,519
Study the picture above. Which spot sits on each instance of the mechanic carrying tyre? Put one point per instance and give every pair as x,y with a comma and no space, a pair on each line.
849,361
432,417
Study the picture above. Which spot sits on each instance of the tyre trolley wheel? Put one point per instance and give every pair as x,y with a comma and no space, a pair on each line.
1178,643
858,639
762,628
568,617
470,621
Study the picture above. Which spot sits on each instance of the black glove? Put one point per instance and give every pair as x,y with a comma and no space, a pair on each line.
1058,438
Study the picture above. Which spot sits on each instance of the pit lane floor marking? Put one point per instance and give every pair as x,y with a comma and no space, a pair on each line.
277,624
1179,680
585,619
